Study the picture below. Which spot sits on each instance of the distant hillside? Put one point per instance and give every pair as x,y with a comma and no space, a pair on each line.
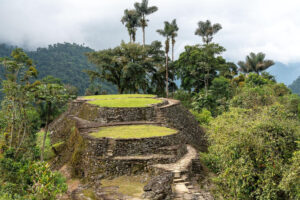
295,86
285,73
65,61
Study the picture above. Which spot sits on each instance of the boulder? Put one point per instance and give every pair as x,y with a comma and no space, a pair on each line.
160,187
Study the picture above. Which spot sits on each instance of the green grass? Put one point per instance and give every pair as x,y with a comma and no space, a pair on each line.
89,193
133,131
125,102
119,96
127,185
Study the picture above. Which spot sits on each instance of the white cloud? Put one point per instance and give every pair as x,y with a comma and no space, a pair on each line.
271,26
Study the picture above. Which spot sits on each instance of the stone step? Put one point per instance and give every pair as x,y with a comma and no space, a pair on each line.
184,177
178,180
190,187
145,157
177,174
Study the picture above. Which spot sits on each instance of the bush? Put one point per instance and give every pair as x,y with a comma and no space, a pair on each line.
250,150
204,117
256,80
24,179
221,88
291,180
253,97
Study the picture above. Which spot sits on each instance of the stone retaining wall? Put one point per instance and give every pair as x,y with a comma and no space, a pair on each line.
178,117
106,115
140,146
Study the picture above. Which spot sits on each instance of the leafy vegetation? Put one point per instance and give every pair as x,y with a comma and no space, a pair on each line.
133,131
253,146
21,175
48,152
143,10
131,67
255,63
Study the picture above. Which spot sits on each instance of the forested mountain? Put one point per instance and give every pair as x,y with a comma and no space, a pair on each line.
295,86
285,73
64,61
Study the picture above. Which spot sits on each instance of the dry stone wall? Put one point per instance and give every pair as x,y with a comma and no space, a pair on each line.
178,117
94,157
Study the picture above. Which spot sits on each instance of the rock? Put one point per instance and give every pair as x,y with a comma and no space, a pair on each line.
159,187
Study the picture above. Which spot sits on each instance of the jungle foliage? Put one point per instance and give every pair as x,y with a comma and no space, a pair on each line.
22,176
254,143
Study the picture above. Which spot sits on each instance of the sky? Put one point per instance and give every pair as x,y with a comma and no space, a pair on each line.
269,26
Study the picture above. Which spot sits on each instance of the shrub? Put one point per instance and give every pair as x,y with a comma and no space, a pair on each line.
291,180
24,179
204,117
256,80
250,150
253,97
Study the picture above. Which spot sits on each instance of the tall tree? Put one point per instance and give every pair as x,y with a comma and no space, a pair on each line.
255,63
17,103
198,65
206,30
49,96
131,67
167,33
143,9
131,19
173,35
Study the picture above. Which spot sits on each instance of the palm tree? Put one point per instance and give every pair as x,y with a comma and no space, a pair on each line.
131,19
173,35
255,63
206,30
167,32
143,10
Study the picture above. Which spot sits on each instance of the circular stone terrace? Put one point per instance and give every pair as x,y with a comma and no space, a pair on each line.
133,131
139,132
123,100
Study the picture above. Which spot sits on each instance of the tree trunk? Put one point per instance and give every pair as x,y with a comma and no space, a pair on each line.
12,126
167,75
143,28
143,36
46,131
206,87
173,44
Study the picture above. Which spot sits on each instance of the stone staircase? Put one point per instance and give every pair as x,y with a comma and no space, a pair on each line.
183,188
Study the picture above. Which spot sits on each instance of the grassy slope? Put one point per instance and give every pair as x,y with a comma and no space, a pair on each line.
133,131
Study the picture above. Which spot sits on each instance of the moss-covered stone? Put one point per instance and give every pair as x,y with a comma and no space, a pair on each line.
78,149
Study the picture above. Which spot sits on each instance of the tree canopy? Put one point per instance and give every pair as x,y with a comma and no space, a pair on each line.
206,30
255,63
131,67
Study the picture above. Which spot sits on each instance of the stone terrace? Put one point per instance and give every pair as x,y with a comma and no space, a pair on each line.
111,157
